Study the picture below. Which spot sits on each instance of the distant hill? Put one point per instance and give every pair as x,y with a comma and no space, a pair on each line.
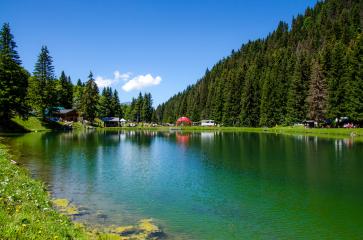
311,70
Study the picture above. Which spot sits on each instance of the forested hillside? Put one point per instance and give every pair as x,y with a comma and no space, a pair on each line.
309,70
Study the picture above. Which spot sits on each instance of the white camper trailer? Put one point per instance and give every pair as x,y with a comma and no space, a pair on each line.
207,123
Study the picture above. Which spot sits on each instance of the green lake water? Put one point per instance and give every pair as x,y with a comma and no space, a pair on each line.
205,185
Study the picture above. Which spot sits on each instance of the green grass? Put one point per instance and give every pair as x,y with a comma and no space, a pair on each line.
32,124
321,132
25,209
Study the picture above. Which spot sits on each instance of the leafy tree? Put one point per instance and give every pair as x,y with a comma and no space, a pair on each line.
90,99
13,78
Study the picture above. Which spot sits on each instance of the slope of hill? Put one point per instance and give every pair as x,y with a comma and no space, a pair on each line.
311,70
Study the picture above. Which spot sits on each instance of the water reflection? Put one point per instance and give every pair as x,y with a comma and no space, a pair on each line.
269,184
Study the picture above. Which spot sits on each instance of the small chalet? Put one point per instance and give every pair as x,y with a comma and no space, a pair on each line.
70,115
111,121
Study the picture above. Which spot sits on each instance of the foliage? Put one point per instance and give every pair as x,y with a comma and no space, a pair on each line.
109,103
13,78
64,90
140,109
266,82
77,95
42,85
25,210
317,93
90,98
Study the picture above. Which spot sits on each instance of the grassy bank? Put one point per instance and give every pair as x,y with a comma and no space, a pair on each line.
26,212
32,124
279,130
25,209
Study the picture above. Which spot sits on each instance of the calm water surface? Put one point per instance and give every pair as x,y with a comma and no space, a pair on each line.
206,185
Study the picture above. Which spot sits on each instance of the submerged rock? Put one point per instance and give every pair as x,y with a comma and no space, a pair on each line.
144,230
126,230
64,206
147,225
71,210
61,202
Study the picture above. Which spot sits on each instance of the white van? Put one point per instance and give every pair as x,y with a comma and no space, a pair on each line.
207,123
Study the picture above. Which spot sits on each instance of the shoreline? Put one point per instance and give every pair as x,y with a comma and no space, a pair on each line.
334,133
28,210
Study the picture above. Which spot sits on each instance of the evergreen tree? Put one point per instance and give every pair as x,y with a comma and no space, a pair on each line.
90,99
42,91
298,91
138,108
317,93
232,96
147,109
8,45
354,79
115,105
13,78
105,103
133,113
337,85
330,28
64,91
250,102
78,90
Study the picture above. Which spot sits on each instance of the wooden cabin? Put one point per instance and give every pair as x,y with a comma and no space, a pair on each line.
70,115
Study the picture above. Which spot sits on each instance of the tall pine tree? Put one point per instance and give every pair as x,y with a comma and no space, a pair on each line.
296,100
317,97
13,78
90,99
64,91
42,91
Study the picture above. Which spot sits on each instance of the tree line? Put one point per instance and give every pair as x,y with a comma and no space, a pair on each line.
42,93
311,70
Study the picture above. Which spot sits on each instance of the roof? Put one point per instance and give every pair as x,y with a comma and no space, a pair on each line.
111,119
65,111
183,120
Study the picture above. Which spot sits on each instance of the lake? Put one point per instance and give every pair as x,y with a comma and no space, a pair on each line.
205,185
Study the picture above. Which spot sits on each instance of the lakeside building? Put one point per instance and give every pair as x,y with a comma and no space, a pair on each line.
70,115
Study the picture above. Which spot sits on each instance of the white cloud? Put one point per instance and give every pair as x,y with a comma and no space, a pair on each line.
123,76
117,76
135,83
140,82
104,82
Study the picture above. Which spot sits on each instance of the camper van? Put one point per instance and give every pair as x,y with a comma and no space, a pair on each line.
207,123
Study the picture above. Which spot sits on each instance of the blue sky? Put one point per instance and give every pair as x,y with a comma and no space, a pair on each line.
157,46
